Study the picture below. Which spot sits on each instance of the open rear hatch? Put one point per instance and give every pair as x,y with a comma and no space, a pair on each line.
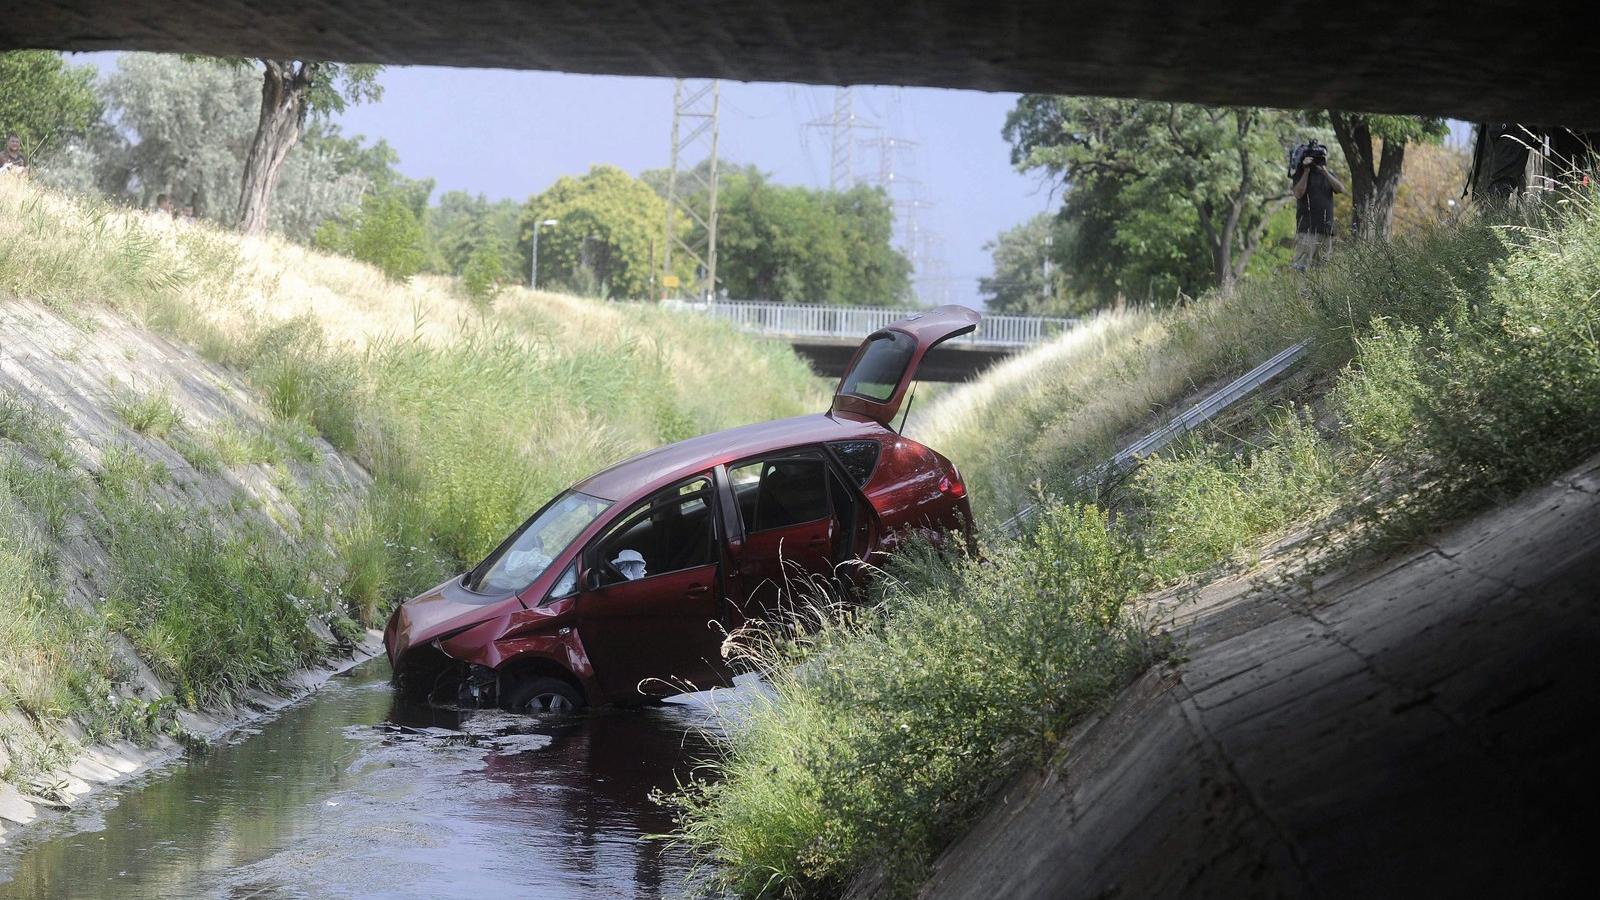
875,383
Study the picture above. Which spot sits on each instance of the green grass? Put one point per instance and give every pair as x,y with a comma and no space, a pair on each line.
56,660
214,613
151,414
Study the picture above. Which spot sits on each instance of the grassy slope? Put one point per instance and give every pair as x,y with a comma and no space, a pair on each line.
466,417
1453,368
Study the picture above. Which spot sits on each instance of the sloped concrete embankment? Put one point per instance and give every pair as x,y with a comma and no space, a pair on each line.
1423,726
76,373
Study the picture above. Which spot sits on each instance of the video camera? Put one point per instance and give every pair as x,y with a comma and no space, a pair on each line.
1312,149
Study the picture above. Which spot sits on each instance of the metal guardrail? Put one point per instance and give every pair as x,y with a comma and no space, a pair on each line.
1187,421
856,322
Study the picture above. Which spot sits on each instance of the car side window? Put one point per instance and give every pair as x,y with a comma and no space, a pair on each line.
780,492
565,586
669,532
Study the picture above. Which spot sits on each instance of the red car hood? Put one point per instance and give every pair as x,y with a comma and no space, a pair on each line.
444,609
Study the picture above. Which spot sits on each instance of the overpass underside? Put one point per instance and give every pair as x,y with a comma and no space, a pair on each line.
1490,61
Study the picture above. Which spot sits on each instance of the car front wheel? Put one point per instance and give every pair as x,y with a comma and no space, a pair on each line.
543,695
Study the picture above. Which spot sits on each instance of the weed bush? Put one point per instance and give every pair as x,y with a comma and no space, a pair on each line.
887,727
1209,505
56,660
151,414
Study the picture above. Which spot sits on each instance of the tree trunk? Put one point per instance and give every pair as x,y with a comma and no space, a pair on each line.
1373,188
1385,189
285,100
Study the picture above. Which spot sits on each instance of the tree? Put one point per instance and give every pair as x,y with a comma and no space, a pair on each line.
485,271
182,126
1375,150
1148,183
461,225
790,244
385,233
1028,277
178,126
293,90
607,234
43,100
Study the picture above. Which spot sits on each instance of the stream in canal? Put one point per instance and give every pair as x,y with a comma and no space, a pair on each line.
350,793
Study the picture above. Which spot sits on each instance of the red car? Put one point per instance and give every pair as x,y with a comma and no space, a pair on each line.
623,587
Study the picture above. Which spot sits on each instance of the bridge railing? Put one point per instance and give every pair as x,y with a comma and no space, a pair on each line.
807,320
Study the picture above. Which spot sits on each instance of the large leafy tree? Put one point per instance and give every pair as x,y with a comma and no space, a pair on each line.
180,127
293,91
1161,197
1375,150
607,233
43,100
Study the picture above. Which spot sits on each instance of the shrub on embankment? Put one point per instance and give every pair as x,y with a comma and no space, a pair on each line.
1452,369
467,419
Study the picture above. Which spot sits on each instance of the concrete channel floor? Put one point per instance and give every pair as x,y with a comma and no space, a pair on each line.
1421,726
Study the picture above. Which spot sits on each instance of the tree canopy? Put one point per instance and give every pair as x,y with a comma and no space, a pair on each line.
182,126
1028,277
1160,198
43,100
791,244
606,238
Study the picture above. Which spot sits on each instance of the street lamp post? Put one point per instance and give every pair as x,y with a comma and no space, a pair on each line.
533,265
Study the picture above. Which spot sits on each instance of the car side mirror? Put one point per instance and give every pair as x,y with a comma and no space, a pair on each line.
591,579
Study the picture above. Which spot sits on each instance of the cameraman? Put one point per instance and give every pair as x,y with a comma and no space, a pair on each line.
1313,220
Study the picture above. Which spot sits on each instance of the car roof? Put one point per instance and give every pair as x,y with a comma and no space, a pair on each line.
660,467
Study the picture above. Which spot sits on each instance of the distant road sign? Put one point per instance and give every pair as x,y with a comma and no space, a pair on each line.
670,281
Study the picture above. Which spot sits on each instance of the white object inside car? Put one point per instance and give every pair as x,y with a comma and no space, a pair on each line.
630,564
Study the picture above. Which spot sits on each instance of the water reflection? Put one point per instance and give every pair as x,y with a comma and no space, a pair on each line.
350,794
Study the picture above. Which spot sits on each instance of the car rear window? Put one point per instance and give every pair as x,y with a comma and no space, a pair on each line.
877,373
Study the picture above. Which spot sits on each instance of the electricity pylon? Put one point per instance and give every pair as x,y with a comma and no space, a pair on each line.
841,125
693,191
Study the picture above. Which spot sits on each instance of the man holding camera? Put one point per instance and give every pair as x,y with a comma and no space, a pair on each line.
1313,194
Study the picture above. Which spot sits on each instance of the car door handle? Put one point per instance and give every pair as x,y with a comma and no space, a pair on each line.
697,590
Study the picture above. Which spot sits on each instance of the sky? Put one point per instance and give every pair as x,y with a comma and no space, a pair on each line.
511,134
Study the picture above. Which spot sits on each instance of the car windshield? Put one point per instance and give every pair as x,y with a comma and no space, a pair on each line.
524,558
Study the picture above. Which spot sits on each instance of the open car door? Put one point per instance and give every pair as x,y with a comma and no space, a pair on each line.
875,383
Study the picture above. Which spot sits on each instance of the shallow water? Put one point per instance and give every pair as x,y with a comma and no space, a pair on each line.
349,794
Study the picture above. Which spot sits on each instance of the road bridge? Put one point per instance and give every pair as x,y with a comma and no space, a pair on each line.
827,336
1495,60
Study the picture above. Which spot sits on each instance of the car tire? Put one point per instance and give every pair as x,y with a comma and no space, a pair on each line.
543,696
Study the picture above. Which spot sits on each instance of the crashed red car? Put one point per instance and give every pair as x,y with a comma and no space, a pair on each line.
622,588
